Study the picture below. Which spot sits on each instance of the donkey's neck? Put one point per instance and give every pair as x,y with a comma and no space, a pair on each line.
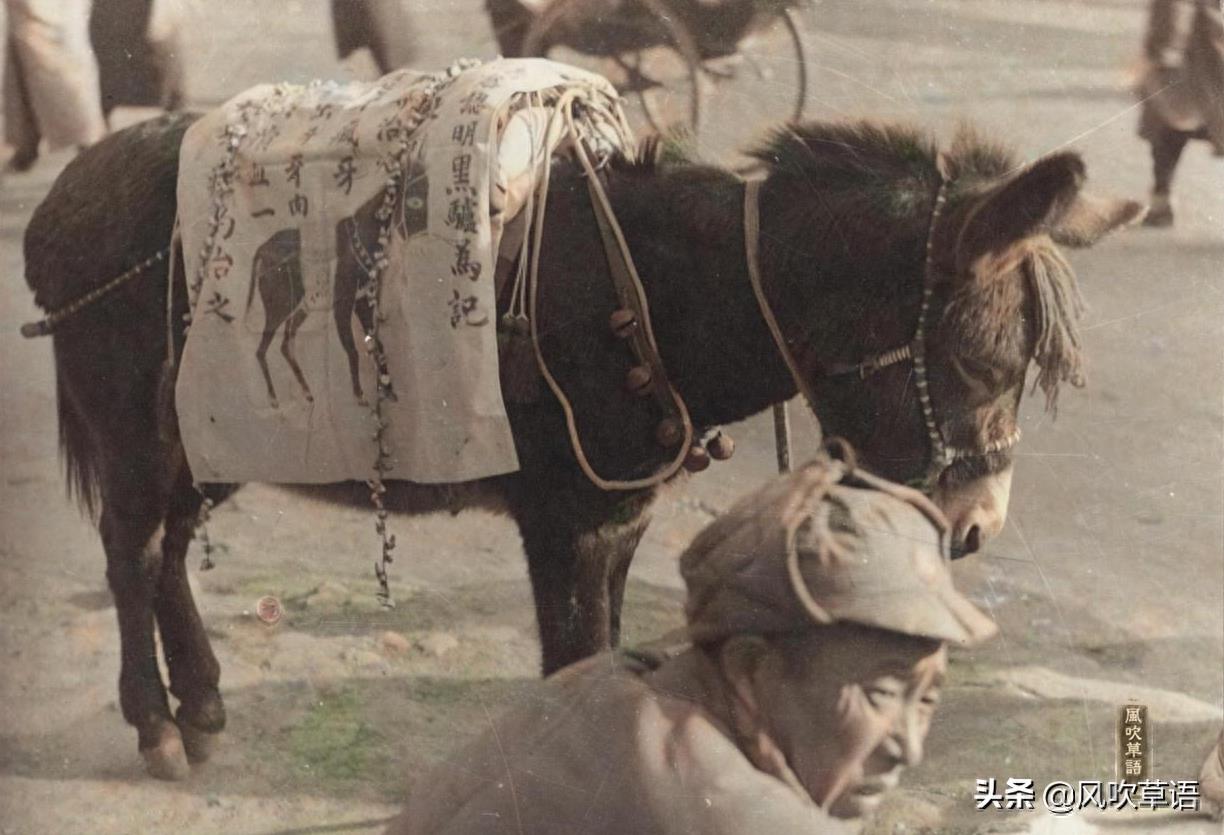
685,230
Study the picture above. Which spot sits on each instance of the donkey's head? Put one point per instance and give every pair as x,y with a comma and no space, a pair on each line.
921,287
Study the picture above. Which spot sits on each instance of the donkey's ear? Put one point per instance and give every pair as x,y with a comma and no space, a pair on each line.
1090,218
1022,206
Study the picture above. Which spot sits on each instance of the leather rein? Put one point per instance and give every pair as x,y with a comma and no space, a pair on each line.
942,454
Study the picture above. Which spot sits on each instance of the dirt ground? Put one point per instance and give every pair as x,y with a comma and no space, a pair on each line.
1108,581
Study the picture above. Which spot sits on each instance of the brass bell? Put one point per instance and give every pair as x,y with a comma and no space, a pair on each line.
638,380
697,459
721,446
669,432
623,322
518,325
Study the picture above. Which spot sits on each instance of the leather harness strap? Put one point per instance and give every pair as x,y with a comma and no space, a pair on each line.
631,295
752,235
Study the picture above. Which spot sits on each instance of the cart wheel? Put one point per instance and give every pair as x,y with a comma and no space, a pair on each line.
677,99
649,56
764,83
798,43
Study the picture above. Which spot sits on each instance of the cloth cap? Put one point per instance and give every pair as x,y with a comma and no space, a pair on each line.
825,544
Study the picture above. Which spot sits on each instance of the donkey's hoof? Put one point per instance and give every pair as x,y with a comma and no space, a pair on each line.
199,745
309,397
1159,220
274,403
167,760
1160,212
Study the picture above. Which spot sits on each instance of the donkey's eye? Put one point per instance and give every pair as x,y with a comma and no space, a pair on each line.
979,376
974,367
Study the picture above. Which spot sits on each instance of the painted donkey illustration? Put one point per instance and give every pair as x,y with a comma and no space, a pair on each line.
277,272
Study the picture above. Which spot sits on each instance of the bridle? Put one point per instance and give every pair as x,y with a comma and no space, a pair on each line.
942,454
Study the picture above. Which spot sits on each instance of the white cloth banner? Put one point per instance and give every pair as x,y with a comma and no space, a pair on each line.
285,213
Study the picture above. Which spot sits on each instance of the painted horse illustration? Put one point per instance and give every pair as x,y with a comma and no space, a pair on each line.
276,271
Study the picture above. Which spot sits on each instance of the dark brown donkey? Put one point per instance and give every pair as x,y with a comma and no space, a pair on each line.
845,220
276,270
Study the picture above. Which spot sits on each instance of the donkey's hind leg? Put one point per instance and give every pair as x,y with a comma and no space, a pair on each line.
132,536
195,673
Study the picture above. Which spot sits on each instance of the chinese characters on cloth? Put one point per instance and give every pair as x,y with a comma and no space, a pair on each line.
296,204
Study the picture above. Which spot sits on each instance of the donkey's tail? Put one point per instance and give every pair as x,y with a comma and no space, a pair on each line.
77,450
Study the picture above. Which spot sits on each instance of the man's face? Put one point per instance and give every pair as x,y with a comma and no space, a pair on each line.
850,707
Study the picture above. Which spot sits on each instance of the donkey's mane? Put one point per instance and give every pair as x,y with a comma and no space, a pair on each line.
845,154
903,162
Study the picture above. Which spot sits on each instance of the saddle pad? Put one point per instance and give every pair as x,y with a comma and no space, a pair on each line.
295,203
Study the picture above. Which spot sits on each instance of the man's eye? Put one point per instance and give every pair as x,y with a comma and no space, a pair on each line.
879,695
931,699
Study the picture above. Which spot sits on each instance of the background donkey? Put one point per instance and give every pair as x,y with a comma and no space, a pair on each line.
846,235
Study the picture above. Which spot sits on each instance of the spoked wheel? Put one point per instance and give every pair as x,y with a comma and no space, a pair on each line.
647,53
762,84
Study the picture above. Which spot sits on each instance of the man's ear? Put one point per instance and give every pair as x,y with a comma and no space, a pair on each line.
1090,218
1020,207
741,658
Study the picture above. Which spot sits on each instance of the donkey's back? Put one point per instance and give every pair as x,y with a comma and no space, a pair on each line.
109,209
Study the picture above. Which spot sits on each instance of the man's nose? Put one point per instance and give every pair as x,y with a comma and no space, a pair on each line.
908,734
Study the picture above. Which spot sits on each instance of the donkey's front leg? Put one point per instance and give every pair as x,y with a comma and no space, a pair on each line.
622,544
132,535
577,541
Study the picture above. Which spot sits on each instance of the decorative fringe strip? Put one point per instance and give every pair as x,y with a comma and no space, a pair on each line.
1060,305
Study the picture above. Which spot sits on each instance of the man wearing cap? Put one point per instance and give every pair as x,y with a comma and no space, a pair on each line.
818,611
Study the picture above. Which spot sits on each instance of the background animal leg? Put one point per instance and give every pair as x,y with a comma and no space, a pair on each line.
291,327
194,671
132,539
1167,147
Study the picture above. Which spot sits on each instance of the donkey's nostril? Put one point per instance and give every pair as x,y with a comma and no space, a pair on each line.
973,539
970,543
